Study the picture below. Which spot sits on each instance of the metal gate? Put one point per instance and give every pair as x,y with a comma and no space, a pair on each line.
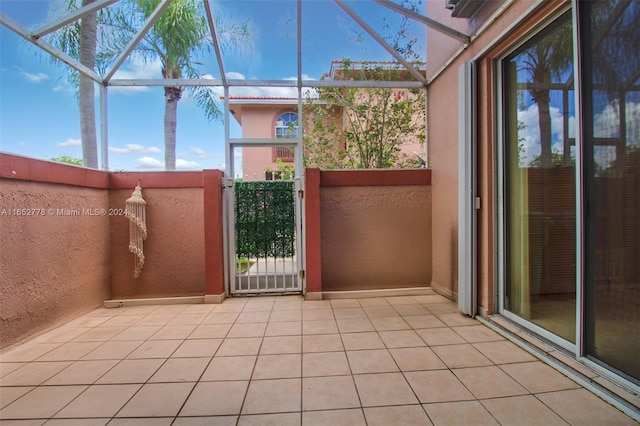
264,223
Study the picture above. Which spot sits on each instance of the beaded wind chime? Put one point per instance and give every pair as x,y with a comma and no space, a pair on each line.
136,212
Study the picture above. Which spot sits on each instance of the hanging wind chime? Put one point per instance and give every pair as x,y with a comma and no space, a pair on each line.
136,212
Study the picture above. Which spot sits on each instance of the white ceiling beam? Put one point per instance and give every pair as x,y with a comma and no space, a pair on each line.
72,17
425,20
412,70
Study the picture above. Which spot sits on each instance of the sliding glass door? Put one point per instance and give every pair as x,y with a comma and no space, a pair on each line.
539,184
610,46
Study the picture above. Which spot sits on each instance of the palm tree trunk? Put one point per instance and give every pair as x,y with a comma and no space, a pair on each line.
88,41
544,121
172,96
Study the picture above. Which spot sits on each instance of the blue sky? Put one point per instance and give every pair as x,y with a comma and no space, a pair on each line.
38,108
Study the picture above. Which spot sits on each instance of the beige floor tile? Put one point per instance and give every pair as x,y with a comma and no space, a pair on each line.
99,334
437,386
210,331
460,356
272,345
401,339
41,403
478,333
321,343
216,317
356,341
206,421
173,332
397,415
456,319
390,323
158,421
371,361
460,413
345,303
278,419
284,328
285,315
27,352
240,346
273,396
401,300
253,317
137,333
538,377
131,371
155,319
317,314
489,382
442,308
283,366
11,393
440,336
180,370
99,401
414,359
157,400
384,389
349,313
432,299
247,330
350,417
410,310
197,348
581,407
328,393
230,368
122,321
316,364
82,372
503,352
258,307
204,308
319,327
309,305
70,351
8,367
231,305
374,301
215,398
523,410
188,319
155,349
354,325
424,321
87,321
113,350
34,373
380,311
77,422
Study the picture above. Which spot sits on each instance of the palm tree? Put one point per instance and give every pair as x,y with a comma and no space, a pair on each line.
177,38
79,40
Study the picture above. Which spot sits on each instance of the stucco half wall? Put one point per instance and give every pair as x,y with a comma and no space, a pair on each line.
375,229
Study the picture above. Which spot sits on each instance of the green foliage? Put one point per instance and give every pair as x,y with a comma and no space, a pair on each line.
364,128
265,219
67,159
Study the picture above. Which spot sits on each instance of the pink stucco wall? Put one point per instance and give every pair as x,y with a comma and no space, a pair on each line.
443,146
54,264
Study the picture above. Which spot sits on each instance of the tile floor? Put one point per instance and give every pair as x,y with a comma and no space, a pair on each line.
285,361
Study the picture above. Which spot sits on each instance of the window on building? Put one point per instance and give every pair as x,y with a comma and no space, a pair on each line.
286,127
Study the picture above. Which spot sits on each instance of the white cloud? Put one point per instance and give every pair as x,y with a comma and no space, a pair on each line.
266,91
199,152
71,142
136,68
531,131
607,123
149,163
34,78
187,165
135,149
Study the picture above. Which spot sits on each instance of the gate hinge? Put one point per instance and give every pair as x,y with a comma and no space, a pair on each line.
301,193
301,273
477,203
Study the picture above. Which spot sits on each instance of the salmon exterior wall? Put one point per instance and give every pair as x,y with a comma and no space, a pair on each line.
375,237
174,248
53,267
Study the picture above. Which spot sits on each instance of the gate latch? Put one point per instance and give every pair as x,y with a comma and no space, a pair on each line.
301,193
